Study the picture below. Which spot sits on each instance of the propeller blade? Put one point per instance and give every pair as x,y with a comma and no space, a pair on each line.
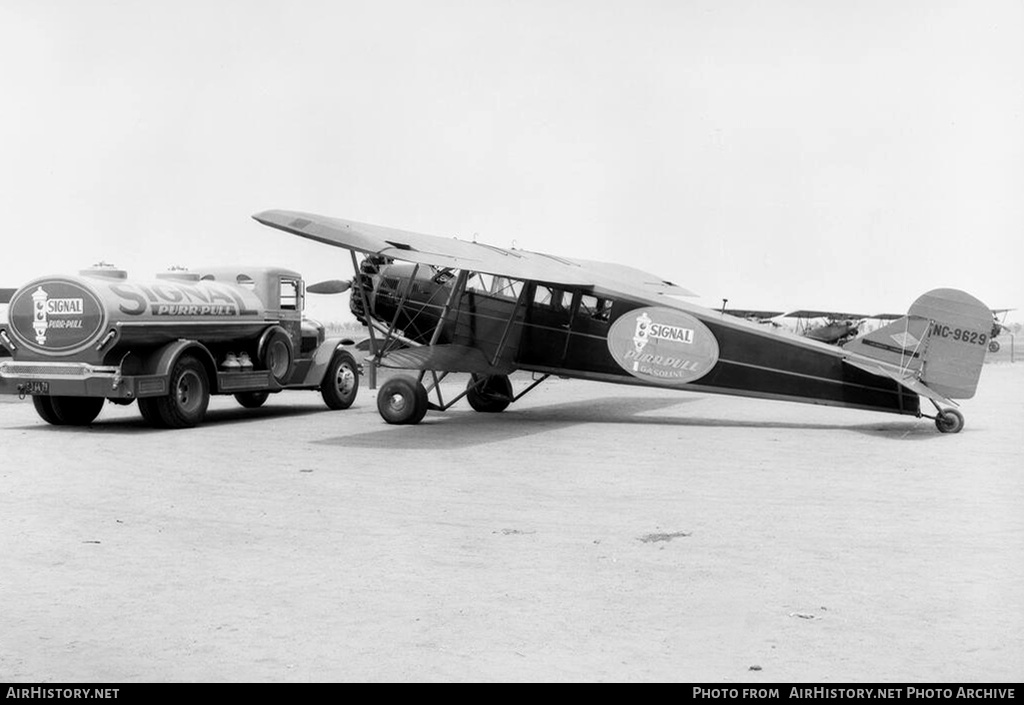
331,286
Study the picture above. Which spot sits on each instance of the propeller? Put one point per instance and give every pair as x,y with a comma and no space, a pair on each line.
331,286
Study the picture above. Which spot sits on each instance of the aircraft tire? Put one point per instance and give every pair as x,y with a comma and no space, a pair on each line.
189,396
993,346
44,407
402,401
252,400
949,421
490,397
77,411
341,381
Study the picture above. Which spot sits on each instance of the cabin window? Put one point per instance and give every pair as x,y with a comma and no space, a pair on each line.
290,295
480,282
557,299
507,288
594,307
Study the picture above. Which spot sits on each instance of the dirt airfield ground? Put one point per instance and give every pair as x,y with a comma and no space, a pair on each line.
590,533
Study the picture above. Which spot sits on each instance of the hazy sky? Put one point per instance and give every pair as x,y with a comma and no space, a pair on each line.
782,154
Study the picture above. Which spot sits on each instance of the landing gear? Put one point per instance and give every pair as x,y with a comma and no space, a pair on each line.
491,395
402,400
949,421
341,381
68,411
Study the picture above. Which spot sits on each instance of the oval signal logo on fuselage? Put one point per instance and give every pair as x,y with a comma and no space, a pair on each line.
55,316
662,345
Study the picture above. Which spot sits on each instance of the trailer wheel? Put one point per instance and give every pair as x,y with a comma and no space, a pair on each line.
491,396
402,401
949,421
341,381
189,396
77,411
44,407
252,400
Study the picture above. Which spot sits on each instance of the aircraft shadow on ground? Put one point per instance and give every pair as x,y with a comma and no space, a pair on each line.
464,428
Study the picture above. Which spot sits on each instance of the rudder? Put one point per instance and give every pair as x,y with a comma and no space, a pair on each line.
957,341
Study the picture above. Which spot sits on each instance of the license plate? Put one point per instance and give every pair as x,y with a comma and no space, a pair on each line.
37,388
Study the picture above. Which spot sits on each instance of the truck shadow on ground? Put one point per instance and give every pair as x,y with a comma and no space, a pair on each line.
465,428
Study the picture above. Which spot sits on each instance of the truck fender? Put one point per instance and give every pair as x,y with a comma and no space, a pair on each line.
164,359
321,359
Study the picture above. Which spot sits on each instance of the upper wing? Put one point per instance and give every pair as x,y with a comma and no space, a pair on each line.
460,254
823,314
749,313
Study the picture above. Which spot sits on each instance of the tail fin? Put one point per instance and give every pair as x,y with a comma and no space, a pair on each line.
942,339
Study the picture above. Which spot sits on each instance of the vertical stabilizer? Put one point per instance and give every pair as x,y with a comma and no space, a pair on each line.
942,340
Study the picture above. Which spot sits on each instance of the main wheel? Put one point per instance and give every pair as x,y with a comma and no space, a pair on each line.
77,411
189,396
949,421
252,400
492,395
993,346
44,407
402,401
341,381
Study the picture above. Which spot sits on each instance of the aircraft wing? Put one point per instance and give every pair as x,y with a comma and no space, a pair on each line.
824,314
750,313
461,254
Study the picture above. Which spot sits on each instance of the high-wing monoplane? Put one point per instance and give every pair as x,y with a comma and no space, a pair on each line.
468,307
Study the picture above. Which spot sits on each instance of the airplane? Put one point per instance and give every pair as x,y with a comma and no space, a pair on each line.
753,315
837,327
998,327
469,307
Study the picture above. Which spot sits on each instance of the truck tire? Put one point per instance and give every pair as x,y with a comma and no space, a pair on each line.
252,400
44,407
150,412
185,405
275,354
340,384
77,411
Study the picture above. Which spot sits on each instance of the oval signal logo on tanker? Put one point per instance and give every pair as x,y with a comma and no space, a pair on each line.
663,345
55,316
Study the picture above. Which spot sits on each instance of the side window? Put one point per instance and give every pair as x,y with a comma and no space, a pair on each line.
508,288
290,295
594,307
556,299
246,281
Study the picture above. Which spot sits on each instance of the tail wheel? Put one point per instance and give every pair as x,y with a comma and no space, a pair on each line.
402,401
185,405
993,346
492,395
252,400
341,381
949,421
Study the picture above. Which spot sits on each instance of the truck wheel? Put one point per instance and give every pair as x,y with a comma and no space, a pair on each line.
150,412
77,411
189,396
341,381
402,401
44,407
490,397
276,355
252,400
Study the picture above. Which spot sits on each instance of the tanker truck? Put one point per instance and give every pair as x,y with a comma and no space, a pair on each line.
167,343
